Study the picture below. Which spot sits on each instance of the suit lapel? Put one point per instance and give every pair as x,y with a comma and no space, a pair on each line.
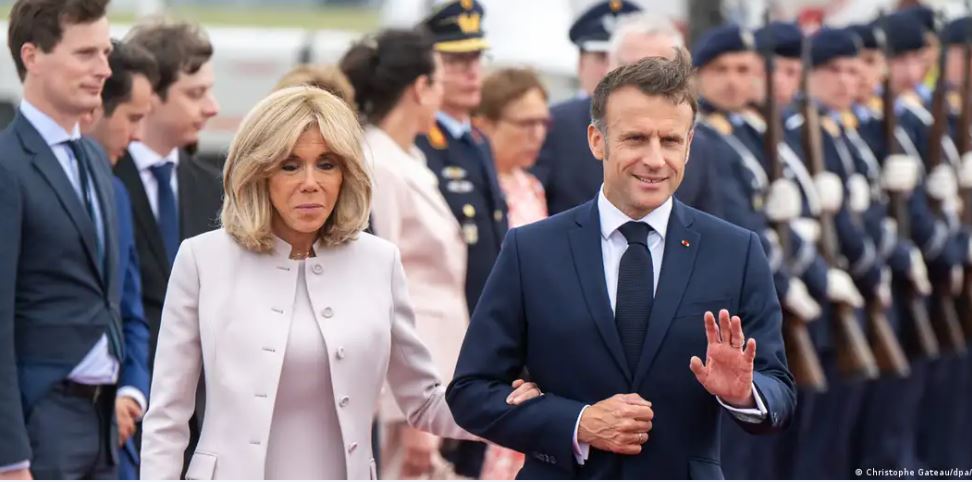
47,164
677,266
128,173
101,176
585,244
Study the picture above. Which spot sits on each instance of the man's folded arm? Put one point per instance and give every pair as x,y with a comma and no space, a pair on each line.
493,355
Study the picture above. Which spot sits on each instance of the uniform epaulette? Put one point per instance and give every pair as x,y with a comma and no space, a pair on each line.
876,106
830,126
437,139
954,102
754,119
718,121
912,103
849,120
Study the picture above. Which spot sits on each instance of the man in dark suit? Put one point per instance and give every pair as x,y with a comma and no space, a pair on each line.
568,171
608,349
61,341
125,101
174,196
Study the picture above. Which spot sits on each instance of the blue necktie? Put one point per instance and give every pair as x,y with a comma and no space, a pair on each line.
636,281
84,178
88,191
168,210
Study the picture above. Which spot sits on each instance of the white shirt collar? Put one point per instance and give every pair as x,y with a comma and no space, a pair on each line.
49,130
612,218
145,157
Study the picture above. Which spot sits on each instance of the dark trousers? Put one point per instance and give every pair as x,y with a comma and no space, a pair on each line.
466,456
823,450
73,437
887,428
942,419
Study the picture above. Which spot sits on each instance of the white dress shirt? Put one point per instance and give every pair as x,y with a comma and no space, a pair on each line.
145,158
613,246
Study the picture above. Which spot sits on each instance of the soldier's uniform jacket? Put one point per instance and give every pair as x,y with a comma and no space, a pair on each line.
461,158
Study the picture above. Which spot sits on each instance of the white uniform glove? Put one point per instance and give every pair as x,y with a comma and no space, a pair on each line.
841,288
831,191
965,171
799,301
807,228
941,184
919,272
900,173
859,197
884,288
783,202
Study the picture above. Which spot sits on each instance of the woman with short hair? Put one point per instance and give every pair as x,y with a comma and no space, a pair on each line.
294,316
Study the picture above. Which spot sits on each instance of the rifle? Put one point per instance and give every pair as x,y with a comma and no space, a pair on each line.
963,140
944,317
921,341
855,360
801,355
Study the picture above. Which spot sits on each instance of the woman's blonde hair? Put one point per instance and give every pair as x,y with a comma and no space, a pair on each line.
266,137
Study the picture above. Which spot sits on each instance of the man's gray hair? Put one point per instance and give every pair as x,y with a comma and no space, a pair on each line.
670,78
643,23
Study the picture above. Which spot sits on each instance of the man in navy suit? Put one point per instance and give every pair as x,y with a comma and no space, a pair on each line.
569,173
573,300
125,101
61,340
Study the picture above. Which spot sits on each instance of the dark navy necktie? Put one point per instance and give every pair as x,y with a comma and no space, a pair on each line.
636,281
168,210
89,195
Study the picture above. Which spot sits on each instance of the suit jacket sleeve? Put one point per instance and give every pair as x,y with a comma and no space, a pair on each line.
493,355
411,373
178,364
762,320
134,371
14,443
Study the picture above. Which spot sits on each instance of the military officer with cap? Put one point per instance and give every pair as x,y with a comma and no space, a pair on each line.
591,33
460,156
566,167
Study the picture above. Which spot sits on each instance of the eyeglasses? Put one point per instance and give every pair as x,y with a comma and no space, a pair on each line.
529,123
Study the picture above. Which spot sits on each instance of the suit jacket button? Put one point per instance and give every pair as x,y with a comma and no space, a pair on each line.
344,402
340,353
317,269
351,447
327,312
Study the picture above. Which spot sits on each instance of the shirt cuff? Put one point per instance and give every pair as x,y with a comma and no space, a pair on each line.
134,394
18,466
748,415
581,450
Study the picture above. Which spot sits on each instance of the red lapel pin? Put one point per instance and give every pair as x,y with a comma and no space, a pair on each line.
685,243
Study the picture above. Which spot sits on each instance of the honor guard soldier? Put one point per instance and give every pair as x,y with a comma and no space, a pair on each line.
569,172
460,156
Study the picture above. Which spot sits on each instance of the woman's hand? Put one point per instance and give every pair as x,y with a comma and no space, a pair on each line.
523,391
418,448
